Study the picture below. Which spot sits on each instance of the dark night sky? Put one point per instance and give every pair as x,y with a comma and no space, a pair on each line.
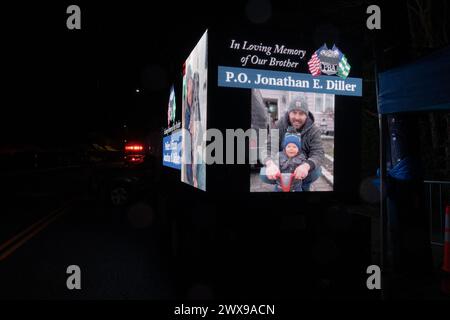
62,85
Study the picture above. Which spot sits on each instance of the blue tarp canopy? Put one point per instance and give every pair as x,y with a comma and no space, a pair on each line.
420,86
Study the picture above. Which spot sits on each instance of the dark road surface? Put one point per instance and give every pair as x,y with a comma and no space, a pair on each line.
50,220
127,252
117,261
119,250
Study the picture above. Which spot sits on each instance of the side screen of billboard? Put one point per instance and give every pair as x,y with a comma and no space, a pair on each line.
194,105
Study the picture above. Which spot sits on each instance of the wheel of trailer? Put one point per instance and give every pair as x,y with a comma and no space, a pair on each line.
119,196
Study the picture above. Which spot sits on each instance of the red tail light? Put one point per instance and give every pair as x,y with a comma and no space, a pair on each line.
134,148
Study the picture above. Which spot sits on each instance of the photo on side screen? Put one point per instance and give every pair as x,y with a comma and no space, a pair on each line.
193,169
304,155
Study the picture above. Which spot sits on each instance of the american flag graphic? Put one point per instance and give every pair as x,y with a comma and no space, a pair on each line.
314,65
